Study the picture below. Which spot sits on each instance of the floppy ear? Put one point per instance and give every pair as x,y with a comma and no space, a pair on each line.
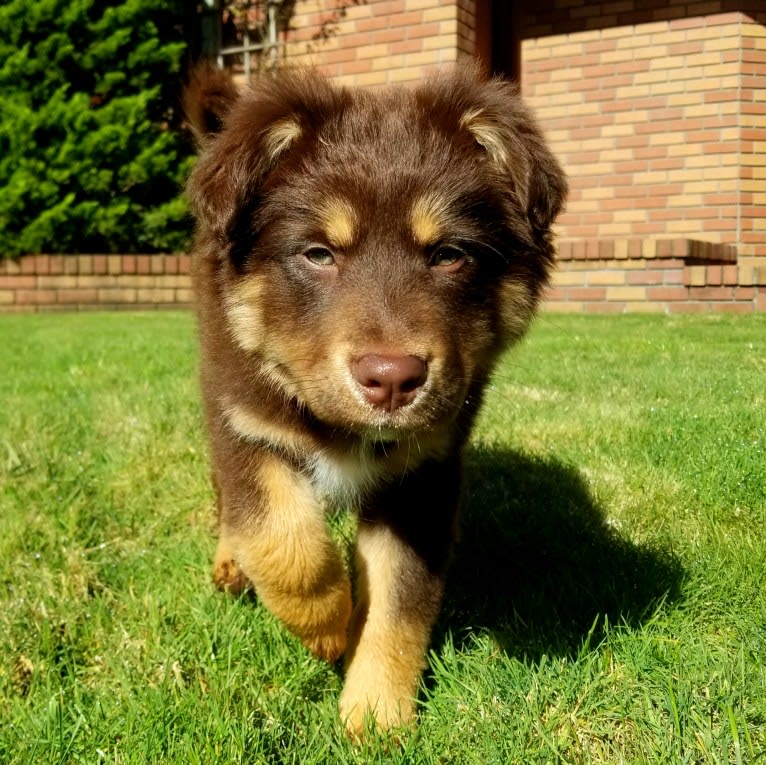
494,116
256,129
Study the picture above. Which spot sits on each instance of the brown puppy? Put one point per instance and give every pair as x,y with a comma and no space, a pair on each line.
361,260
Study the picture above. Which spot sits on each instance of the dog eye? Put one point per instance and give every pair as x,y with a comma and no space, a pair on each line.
319,256
447,258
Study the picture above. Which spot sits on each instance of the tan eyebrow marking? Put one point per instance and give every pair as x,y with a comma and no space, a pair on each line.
339,220
428,217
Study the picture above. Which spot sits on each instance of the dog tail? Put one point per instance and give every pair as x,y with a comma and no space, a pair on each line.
207,98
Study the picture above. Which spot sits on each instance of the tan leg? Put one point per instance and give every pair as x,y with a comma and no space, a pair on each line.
390,632
284,549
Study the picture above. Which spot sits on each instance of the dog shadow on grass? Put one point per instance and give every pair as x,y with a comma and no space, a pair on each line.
539,566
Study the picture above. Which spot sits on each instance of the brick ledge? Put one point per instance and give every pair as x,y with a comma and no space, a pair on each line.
644,275
645,249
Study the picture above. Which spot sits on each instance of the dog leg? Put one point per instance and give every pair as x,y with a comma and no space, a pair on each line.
388,640
284,549
401,564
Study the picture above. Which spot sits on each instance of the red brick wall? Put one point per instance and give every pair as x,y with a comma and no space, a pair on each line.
658,111
82,282
753,136
379,41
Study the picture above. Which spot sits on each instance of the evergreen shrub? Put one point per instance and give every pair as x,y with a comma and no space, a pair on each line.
91,155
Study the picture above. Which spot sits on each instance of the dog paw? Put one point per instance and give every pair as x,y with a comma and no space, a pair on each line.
328,635
228,576
329,646
376,711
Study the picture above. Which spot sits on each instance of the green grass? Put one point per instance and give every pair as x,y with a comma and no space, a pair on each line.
607,603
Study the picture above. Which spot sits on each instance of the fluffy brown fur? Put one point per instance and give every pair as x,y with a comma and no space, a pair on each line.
361,260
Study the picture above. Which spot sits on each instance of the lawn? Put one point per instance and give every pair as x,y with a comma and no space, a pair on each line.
607,602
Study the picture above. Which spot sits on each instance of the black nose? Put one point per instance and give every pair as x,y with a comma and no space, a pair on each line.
389,382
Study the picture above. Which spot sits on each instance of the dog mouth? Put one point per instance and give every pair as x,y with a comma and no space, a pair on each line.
380,425
382,444
381,437
394,422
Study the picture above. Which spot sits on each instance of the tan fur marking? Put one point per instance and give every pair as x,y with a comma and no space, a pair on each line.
339,220
245,316
248,424
382,675
280,136
488,136
297,571
427,218
245,321
516,309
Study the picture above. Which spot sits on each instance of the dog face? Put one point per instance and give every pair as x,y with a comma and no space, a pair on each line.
374,253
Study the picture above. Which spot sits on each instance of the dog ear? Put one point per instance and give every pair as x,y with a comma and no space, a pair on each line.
497,121
207,98
257,131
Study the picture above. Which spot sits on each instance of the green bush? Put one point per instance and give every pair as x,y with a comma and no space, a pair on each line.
91,155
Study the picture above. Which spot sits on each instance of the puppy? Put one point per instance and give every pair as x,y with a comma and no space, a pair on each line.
361,260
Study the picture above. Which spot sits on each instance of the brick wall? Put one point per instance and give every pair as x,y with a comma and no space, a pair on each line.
753,136
82,282
658,111
379,41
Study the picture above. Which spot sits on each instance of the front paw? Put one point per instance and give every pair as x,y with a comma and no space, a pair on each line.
325,632
368,703
329,645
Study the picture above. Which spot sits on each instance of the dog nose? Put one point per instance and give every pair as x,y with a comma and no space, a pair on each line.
389,382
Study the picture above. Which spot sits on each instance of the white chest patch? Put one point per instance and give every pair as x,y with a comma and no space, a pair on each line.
344,479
